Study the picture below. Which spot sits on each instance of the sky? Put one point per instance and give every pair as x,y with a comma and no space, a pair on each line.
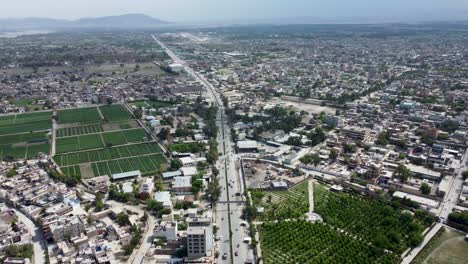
226,10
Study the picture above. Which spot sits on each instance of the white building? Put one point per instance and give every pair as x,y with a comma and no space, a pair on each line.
164,198
167,230
147,187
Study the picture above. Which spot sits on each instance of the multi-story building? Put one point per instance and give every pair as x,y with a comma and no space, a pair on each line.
67,227
200,238
356,133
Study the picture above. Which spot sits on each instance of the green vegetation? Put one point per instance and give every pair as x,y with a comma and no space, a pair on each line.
304,242
371,220
188,147
112,153
292,203
459,220
79,130
310,159
115,112
146,164
19,251
24,137
8,152
79,115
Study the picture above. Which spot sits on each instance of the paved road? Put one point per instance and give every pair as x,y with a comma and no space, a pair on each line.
38,239
229,178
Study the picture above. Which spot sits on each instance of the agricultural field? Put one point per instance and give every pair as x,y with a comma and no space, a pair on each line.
86,115
22,152
292,203
115,112
79,130
304,242
145,157
24,135
143,163
99,140
103,154
28,122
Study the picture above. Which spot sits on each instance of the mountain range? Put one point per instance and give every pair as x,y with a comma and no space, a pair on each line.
115,22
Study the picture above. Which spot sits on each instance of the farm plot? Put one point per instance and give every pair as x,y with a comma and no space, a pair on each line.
124,136
24,137
305,242
26,127
115,112
79,115
104,154
71,170
146,163
70,144
79,130
278,205
21,152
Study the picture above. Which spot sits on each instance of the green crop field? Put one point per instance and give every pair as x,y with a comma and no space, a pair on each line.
28,151
143,163
24,137
79,130
103,154
68,144
114,138
124,136
79,115
28,122
71,170
90,141
115,112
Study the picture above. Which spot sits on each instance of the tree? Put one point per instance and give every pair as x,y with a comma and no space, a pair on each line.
333,154
425,188
465,174
164,133
176,164
122,219
138,113
403,173
213,191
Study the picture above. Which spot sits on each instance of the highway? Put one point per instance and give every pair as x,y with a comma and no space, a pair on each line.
227,215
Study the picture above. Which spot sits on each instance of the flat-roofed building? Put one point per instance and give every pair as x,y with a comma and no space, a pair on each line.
126,175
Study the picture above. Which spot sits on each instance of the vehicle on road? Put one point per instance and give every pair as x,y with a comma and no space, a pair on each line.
224,256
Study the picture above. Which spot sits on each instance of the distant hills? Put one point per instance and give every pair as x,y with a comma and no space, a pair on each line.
115,22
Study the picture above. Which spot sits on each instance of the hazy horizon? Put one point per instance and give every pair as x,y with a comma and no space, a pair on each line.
224,10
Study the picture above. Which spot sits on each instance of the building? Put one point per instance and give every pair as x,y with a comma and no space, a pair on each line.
167,230
182,184
189,171
126,175
356,133
146,189
200,238
176,67
188,161
164,198
247,146
66,228
333,121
